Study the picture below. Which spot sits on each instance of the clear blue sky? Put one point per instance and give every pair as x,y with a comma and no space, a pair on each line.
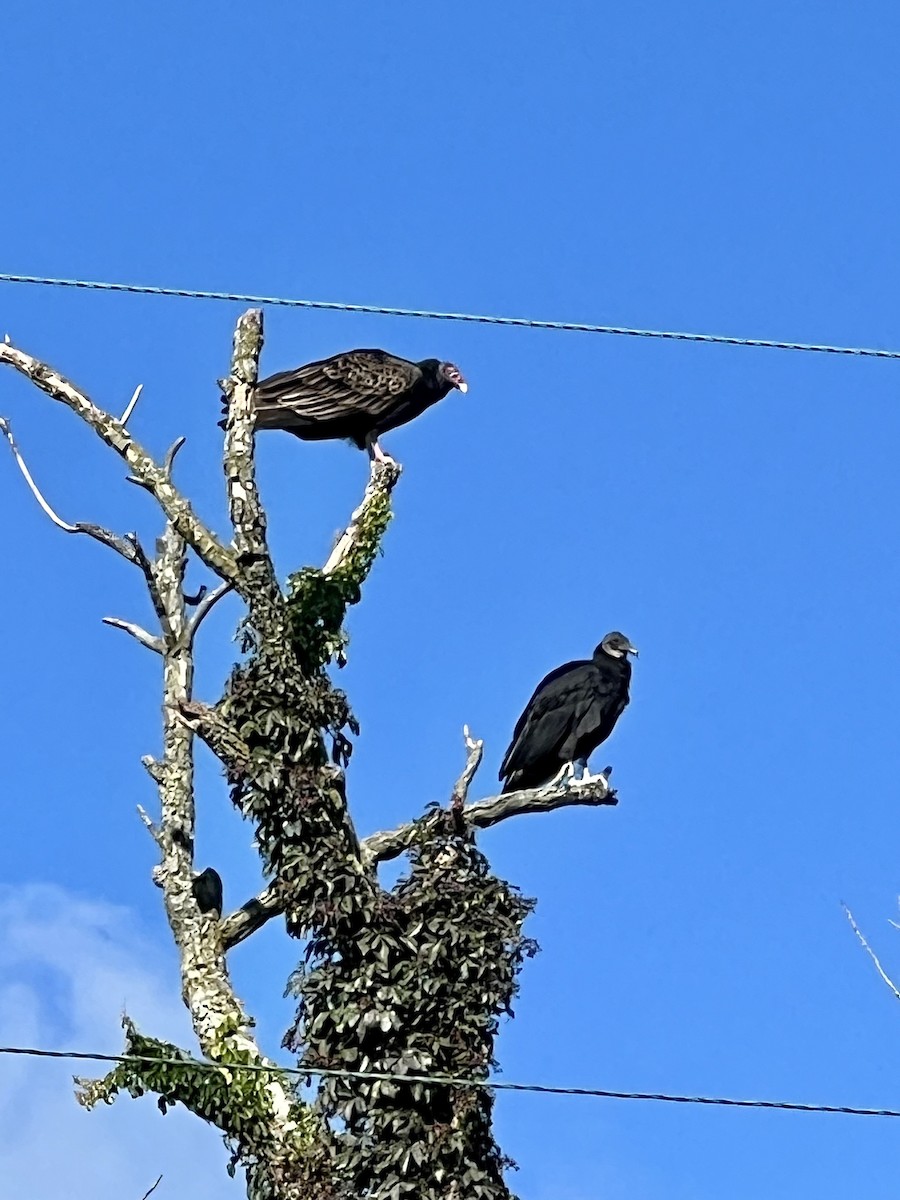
721,168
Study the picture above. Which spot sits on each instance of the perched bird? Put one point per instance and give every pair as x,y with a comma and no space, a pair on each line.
572,711
358,396
207,889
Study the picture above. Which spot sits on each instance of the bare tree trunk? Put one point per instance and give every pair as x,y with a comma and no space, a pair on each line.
399,982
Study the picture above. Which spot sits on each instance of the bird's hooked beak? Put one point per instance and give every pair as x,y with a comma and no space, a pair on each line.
454,375
632,650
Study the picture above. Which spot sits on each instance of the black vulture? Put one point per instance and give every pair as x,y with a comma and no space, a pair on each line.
572,711
207,889
357,396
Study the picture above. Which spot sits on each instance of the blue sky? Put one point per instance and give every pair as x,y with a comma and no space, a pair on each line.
707,167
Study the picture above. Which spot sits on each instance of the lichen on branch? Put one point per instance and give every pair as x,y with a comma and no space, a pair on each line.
411,979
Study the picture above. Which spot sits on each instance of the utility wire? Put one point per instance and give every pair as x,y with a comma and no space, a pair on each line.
427,314
494,1085
522,322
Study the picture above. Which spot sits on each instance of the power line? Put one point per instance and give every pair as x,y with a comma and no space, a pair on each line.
427,314
494,1085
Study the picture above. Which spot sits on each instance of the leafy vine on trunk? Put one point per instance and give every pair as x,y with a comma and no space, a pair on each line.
411,980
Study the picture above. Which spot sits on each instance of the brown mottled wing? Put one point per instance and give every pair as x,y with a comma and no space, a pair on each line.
363,382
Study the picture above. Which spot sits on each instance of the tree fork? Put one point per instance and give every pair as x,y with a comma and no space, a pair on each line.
411,980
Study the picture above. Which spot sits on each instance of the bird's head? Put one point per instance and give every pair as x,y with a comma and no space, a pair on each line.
616,645
451,374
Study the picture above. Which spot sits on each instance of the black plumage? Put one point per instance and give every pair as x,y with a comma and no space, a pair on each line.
357,396
207,889
572,711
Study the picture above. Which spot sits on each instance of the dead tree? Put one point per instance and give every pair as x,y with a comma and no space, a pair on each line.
403,982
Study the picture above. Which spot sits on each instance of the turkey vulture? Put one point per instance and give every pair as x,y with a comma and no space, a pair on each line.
357,395
572,711
207,889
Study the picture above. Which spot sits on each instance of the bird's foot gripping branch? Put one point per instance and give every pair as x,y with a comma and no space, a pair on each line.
411,979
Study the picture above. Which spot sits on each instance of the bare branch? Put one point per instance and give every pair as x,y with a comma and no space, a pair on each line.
207,601
152,1189
126,546
257,582
192,599
132,404
382,847
169,460
152,828
143,467
153,768
35,490
474,755
361,537
122,545
220,1023
146,639
221,737
207,989
871,953
252,915
244,504
267,1110
143,561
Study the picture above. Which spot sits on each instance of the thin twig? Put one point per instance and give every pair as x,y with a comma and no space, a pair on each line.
474,755
167,465
128,546
153,767
142,465
151,826
169,460
383,479
35,490
153,1189
871,953
207,602
125,416
138,633
192,599
252,915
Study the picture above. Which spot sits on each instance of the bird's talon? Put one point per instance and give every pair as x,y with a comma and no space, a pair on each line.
587,779
561,780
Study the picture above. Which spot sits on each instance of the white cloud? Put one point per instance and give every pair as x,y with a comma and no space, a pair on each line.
68,968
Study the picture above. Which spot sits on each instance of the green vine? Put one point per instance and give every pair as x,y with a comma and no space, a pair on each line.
420,991
410,981
236,1102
